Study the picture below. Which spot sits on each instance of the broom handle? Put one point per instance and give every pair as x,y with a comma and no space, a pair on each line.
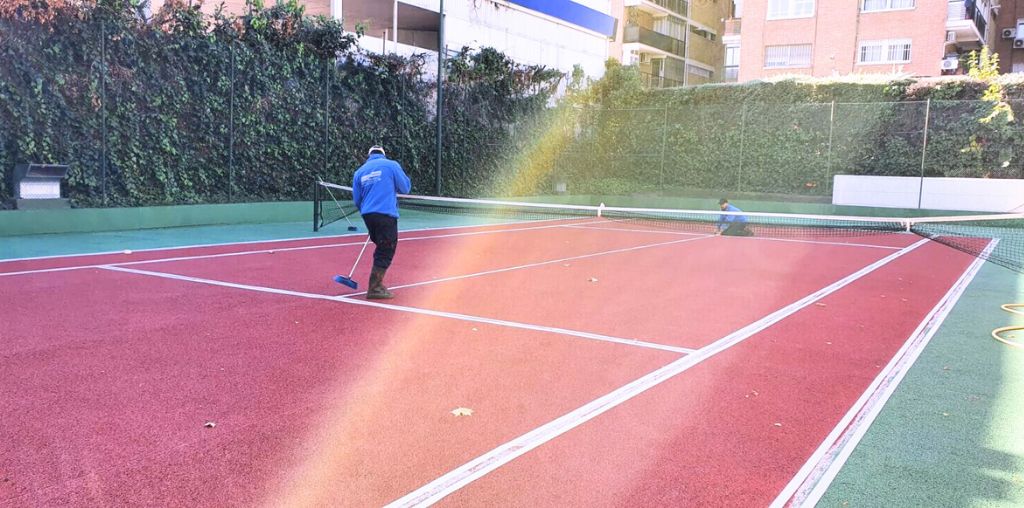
360,256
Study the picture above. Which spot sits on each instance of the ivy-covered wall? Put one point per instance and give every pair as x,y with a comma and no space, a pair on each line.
187,108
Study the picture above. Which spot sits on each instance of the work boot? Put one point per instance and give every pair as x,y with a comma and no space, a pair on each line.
377,291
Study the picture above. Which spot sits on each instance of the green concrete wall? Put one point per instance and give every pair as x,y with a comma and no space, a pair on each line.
85,220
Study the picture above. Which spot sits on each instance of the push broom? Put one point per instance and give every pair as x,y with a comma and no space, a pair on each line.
341,279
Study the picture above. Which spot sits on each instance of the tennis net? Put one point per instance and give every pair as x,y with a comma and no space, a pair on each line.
997,238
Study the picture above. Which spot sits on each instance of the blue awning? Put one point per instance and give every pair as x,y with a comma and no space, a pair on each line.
572,12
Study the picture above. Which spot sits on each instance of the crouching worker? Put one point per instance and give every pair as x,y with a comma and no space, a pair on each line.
732,224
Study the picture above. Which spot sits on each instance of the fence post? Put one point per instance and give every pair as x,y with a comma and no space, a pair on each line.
743,123
828,164
924,151
329,69
231,130
664,140
103,110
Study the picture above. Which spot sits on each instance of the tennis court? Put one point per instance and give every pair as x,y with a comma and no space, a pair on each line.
583,360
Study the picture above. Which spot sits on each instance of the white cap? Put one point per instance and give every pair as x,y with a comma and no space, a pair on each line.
376,148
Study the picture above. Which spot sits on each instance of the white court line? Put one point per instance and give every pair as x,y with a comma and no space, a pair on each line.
539,263
263,251
631,230
484,464
414,310
816,475
763,238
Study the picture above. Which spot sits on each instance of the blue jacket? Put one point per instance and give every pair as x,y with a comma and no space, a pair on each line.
724,220
376,183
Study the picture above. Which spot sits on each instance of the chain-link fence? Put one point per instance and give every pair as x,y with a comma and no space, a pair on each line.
787,149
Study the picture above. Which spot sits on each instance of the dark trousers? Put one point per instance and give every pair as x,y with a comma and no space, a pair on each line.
737,229
384,235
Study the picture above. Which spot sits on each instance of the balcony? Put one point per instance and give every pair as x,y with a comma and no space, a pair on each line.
662,7
732,27
647,37
969,25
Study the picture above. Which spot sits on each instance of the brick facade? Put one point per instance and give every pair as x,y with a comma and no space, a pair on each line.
835,31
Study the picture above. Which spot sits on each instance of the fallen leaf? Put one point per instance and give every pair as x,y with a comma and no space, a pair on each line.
210,425
777,424
945,414
829,343
820,304
462,411
592,279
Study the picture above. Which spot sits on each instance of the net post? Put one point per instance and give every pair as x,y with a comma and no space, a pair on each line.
600,209
316,206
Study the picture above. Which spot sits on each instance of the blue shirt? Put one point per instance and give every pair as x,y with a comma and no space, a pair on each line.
724,220
376,184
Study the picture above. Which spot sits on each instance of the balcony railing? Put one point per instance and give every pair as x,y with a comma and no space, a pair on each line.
652,81
680,7
634,33
958,11
732,26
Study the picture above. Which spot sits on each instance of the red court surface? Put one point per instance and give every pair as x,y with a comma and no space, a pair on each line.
108,377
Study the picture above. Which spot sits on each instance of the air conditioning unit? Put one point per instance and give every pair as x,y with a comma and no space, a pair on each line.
1009,33
951,36
1018,44
950,64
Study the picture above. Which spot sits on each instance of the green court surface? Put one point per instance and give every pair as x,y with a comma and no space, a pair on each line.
952,434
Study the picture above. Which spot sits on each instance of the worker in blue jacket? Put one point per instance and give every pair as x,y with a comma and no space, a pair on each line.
375,188
732,224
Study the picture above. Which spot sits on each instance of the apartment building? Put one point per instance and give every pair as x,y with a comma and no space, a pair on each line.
1008,36
555,33
840,37
675,42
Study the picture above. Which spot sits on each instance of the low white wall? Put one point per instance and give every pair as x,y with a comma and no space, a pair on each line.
968,194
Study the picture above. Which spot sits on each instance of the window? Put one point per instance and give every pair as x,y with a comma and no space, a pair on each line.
700,32
782,9
797,55
884,52
671,27
732,62
732,56
737,9
886,5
